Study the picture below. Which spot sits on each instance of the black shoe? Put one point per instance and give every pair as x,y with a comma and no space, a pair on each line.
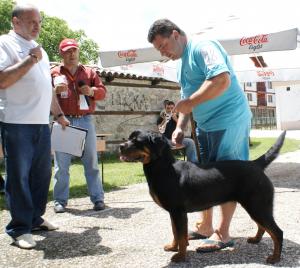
2,185
59,208
99,205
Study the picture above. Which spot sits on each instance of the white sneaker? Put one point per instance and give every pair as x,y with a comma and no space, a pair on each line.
25,241
45,226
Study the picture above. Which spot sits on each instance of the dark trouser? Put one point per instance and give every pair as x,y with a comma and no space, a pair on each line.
27,155
231,143
1,184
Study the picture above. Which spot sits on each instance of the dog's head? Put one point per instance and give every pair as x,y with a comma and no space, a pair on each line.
145,147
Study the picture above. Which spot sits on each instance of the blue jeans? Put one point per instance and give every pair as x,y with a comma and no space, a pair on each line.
227,144
28,173
190,150
62,162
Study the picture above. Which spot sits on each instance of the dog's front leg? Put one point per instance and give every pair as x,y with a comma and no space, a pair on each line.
174,245
180,240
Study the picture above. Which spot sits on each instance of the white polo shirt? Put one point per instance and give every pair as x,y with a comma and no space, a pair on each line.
28,100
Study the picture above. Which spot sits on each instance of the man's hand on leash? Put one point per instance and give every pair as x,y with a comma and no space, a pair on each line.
177,137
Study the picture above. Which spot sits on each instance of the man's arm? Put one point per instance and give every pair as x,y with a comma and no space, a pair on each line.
57,111
178,133
98,89
182,121
14,73
209,90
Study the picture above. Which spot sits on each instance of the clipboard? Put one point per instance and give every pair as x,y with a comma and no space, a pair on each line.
70,140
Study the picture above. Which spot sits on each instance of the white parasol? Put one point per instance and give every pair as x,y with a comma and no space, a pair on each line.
281,66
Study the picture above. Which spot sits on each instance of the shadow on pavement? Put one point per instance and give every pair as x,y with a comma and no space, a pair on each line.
243,253
66,245
118,213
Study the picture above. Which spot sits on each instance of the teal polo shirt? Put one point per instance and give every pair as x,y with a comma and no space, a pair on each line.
202,60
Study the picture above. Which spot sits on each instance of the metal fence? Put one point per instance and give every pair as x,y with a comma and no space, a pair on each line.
263,118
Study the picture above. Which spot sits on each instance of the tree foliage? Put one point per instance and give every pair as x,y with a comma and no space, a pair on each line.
53,31
6,7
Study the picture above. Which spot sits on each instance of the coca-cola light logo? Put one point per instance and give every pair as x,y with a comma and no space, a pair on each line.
266,75
158,69
129,55
126,67
254,42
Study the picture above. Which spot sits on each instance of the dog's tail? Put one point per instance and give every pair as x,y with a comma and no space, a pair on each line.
264,160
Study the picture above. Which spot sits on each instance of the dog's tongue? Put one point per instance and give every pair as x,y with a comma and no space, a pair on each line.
122,158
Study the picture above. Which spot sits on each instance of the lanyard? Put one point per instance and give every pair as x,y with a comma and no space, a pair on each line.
73,79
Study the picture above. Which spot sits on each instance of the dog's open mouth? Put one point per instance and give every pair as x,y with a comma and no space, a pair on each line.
125,158
130,153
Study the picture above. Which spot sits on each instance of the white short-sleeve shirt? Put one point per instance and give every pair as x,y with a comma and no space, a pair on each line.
28,100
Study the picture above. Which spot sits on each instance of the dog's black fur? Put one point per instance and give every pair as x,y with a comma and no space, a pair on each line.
181,187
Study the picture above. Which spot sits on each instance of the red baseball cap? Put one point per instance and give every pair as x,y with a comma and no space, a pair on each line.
67,44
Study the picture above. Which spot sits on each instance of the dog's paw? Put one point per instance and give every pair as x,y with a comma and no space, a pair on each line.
178,257
273,259
253,240
171,247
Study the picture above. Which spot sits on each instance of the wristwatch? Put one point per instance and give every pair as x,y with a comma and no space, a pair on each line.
59,115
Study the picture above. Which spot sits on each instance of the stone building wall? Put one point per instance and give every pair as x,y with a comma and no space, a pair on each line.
130,99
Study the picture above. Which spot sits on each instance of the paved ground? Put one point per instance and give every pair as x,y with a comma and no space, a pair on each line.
132,231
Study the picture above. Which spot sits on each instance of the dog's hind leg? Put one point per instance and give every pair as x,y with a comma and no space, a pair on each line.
277,236
180,241
264,218
256,239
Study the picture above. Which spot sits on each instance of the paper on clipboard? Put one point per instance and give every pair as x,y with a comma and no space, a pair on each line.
70,140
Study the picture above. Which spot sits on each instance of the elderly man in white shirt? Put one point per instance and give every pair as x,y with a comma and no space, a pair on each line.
26,95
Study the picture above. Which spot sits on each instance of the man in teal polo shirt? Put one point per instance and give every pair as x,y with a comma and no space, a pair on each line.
211,91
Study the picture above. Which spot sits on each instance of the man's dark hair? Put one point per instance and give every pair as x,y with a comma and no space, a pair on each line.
170,103
163,27
165,102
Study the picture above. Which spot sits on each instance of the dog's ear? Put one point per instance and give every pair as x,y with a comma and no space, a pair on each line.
159,142
134,134
154,137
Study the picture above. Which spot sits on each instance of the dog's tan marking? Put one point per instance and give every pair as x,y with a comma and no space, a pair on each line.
275,257
171,247
174,245
155,199
146,154
178,244
180,256
138,154
256,239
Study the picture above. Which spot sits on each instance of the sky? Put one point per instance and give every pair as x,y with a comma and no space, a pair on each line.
120,25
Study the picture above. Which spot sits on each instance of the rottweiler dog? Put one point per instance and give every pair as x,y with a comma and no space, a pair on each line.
181,187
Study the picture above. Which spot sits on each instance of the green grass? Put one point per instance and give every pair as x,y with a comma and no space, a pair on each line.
118,174
261,145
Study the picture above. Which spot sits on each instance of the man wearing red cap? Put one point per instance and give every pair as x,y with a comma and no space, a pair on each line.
78,88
